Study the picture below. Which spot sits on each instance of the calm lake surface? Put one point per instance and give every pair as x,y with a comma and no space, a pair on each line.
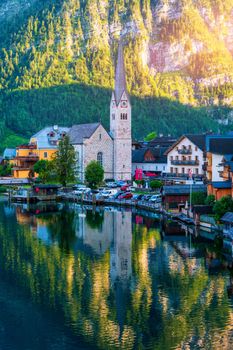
72,278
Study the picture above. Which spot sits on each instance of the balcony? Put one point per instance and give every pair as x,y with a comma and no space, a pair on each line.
185,162
185,151
29,158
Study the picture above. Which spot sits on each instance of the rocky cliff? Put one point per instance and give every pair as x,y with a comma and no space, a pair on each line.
175,49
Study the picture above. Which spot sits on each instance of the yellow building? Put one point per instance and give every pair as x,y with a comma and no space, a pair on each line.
42,145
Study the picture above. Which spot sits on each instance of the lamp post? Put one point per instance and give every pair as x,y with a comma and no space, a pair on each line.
191,182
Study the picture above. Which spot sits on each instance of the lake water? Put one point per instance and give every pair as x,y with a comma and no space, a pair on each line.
72,278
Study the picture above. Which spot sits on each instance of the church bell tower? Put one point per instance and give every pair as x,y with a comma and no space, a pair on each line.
120,123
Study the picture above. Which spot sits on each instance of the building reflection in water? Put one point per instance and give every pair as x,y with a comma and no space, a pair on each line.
113,230
149,288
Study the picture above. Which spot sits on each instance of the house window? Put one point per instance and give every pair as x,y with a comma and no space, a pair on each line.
183,170
100,158
100,136
196,148
197,172
172,170
171,158
45,154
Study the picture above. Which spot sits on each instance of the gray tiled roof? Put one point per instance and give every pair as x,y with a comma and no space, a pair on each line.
222,146
43,139
183,189
80,132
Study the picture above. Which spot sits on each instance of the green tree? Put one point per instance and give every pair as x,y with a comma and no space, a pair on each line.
198,198
156,184
222,206
6,169
151,136
44,169
94,174
65,162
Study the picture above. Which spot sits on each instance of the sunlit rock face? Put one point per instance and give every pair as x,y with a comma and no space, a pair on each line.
191,38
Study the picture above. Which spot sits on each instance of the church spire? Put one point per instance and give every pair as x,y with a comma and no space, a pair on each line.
120,81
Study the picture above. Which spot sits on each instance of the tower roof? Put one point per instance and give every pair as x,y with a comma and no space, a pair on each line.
120,81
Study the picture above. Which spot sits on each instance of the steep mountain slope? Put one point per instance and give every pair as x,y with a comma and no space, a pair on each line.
178,53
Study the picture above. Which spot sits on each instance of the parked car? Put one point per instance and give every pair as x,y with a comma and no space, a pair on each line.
81,191
111,185
107,193
79,186
125,195
137,197
121,183
146,197
119,193
156,198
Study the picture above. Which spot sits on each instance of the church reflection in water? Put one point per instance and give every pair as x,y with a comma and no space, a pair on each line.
118,280
101,231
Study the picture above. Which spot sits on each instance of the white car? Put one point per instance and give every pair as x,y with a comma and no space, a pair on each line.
107,193
156,198
82,190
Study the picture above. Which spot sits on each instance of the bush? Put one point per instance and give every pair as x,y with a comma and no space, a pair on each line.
210,200
222,206
156,184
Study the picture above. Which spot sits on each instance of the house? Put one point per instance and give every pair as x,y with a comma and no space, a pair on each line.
187,155
111,149
151,161
219,165
42,145
9,155
179,194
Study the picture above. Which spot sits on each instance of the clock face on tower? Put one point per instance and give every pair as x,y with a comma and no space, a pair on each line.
124,104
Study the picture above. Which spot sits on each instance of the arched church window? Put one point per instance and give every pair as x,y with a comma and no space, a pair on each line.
100,158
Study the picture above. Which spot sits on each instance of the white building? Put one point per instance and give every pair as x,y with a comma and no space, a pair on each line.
187,154
113,149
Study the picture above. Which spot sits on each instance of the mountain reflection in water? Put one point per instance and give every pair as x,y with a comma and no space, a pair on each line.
73,278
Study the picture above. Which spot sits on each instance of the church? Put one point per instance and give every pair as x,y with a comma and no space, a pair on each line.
113,149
